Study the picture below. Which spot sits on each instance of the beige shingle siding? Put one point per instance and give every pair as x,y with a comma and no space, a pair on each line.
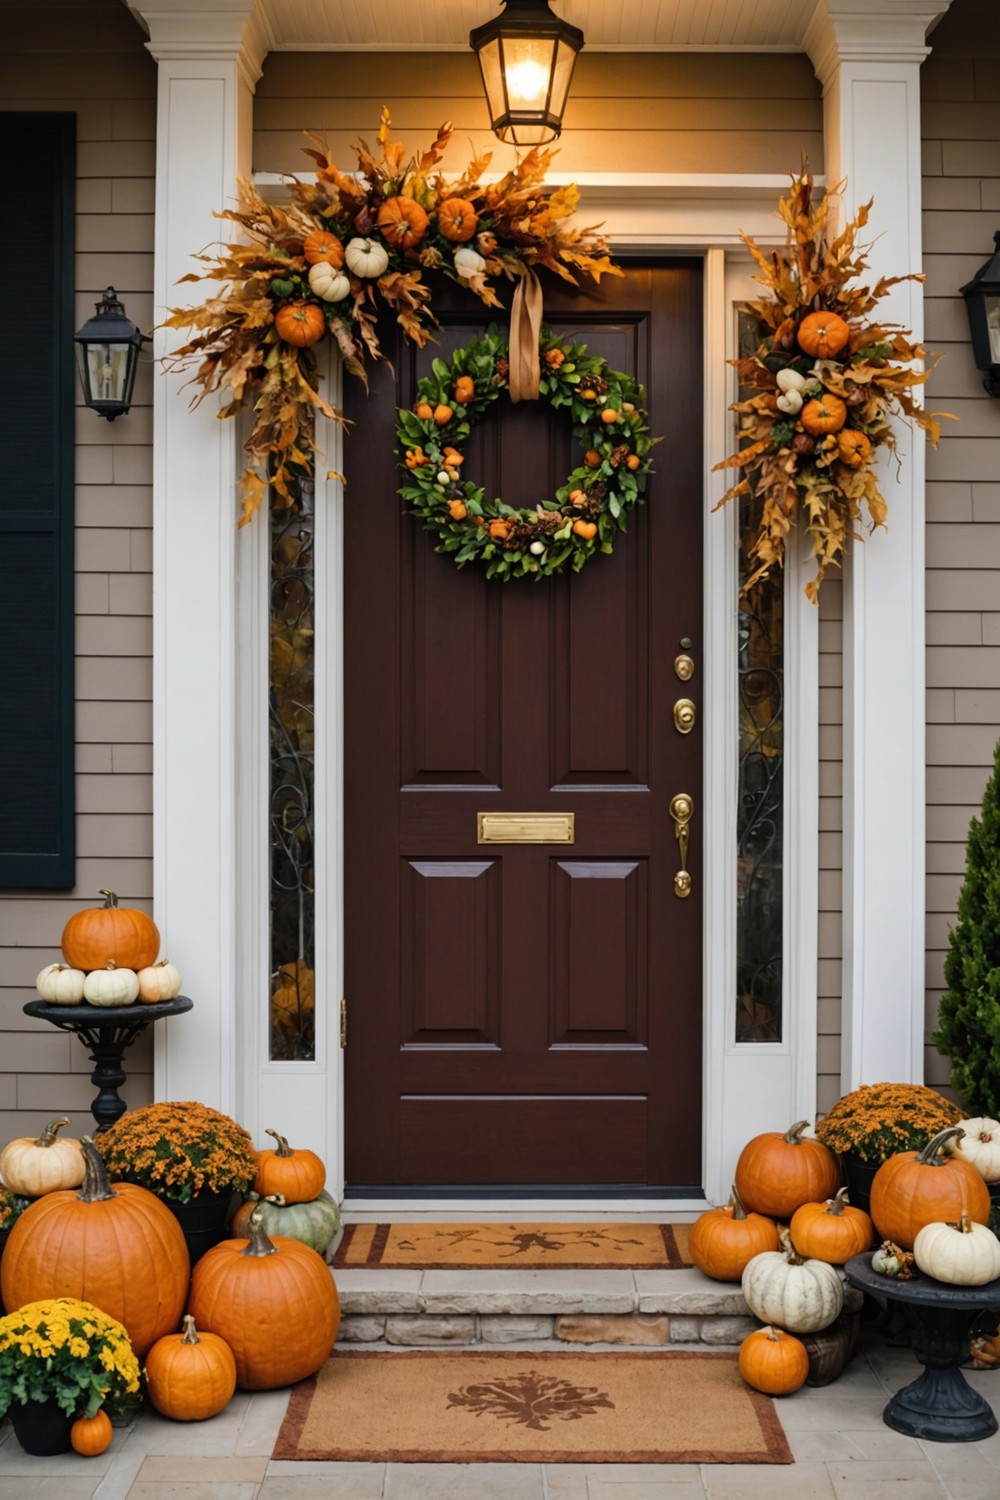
91,60
961,189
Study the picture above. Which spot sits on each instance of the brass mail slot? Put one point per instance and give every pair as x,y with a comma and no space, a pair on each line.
525,828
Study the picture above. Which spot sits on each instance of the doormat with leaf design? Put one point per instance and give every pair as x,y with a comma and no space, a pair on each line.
437,1247
510,1406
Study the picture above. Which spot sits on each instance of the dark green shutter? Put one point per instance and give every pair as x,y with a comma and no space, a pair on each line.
37,174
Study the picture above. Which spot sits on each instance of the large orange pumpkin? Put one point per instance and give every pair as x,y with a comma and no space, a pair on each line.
300,323
110,933
190,1376
724,1239
823,334
297,1175
402,221
831,1231
914,1188
274,1303
117,1247
457,219
777,1173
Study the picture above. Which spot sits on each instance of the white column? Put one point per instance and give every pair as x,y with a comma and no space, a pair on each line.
867,54
207,71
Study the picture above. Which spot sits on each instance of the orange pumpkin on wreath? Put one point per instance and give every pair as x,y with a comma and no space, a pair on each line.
321,245
823,334
457,219
823,414
402,221
300,323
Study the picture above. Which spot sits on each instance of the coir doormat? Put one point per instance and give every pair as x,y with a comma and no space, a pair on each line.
435,1247
508,1406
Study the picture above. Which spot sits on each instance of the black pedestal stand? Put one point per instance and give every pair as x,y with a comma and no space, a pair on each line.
106,1031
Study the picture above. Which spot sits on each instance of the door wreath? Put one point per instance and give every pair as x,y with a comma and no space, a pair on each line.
609,421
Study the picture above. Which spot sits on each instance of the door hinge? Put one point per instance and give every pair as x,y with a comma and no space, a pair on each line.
343,1021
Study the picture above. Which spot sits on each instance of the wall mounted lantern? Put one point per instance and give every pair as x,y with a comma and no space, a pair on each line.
107,349
982,303
526,56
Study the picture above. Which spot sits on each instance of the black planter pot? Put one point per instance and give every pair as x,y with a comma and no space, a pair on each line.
205,1220
859,1176
41,1427
3,1241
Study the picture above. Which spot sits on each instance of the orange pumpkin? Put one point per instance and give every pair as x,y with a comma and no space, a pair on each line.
773,1361
914,1188
832,1231
92,1435
190,1376
724,1239
823,334
119,1248
457,219
300,323
402,221
110,933
321,245
853,447
298,1176
777,1173
585,529
274,1303
464,390
823,414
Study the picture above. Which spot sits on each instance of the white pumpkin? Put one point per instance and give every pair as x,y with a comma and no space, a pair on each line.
468,262
60,985
368,258
33,1167
962,1254
111,986
801,1296
329,282
979,1146
161,981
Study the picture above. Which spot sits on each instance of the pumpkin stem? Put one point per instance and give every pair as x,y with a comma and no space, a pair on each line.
791,1254
931,1156
774,1334
736,1204
284,1149
964,1225
190,1335
48,1135
837,1205
95,1187
793,1135
259,1244
111,899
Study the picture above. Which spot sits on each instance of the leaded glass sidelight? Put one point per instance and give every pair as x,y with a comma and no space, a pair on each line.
292,757
760,817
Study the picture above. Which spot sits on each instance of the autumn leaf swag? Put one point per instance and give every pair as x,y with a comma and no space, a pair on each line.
825,378
345,247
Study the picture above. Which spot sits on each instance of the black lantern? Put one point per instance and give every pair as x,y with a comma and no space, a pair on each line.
107,349
982,302
526,56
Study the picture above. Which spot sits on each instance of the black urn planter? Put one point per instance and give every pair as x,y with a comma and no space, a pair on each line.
859,1176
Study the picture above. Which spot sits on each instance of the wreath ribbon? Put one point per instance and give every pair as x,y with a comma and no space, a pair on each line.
525,330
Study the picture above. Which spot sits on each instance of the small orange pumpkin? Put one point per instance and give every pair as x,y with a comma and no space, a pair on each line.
443,414
321,245
402,221
110,933
190,1375
92,1435
457,510
914,1188
457,219
586,529
823,414
823,334
464,390
725,1239
300,323
853,447
298,1175
773,1361
832,1231
776,1173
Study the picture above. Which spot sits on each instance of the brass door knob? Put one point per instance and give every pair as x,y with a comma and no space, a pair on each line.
685,715
682,811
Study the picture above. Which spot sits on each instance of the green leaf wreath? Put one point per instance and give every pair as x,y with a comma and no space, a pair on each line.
558,532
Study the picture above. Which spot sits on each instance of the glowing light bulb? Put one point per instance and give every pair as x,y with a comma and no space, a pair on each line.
527,82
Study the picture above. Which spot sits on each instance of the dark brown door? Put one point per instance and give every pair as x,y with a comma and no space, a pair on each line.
526,1014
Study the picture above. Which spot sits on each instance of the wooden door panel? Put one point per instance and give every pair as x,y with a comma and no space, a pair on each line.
525,1014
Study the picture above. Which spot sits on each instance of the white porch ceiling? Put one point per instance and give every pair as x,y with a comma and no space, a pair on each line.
608,25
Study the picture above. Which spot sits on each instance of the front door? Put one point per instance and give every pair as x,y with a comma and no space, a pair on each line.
526,1015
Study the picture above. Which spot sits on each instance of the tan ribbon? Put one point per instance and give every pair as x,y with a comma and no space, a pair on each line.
525,328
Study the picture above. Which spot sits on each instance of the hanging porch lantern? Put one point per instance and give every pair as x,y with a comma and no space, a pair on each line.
526,56
982,303
107,348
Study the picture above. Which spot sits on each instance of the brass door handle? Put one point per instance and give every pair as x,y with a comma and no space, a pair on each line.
682,810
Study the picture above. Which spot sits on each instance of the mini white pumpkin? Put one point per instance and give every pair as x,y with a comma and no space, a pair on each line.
468,262
161,981
329,282
962,1254
368,258
801,1296
790,380
979,1146
60,985
111,986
